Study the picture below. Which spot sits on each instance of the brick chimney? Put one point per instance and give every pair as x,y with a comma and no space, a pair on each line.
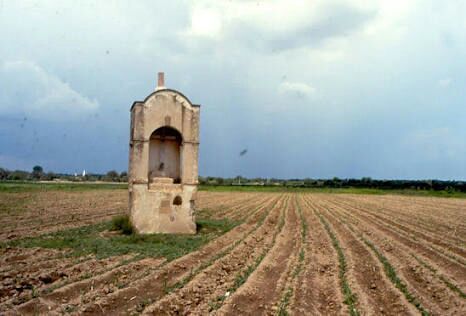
160,81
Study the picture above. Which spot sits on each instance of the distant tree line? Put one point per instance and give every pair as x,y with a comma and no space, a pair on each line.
37,174
365,182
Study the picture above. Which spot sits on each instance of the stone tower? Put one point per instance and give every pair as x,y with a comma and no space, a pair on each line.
163,162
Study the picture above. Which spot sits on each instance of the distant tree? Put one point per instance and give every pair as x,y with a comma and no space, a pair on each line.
124,176
428,184
112,175
18,175
37,172
49,176
4,174
202,180
366,179
336,182
367,182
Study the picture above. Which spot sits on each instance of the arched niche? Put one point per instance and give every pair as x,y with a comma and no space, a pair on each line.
165,155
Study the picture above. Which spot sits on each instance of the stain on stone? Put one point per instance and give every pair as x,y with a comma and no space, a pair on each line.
168,120
177,200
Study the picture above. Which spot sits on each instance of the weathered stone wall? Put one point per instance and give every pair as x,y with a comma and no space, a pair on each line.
157,204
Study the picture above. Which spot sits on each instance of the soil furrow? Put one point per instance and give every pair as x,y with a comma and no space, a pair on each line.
316,290
208,287
450,261
227,212
221,210
375,212
19,259
452,268
209,199
83,292
376,294
433,213
402,213
37,280
297,264
423,284
57,277
430,208
349,298
241,213
257,215
70,296
287,253
141,292
52,226
262,292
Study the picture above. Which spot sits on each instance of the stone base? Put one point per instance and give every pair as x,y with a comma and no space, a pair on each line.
163,207
161,180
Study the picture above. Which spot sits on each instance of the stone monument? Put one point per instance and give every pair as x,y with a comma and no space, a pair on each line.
163,162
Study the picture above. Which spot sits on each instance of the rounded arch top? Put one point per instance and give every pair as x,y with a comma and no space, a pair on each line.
166,130
162,91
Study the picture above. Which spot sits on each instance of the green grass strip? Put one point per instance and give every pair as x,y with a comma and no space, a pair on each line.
348,190
89,239
32,186
282,310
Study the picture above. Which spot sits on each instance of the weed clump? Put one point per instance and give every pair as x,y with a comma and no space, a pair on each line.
123,224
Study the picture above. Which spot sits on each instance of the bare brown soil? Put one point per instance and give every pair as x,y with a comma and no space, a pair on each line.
257,296
55,210
35,213
403,256
316,291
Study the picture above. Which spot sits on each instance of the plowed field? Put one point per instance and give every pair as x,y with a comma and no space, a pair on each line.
284,253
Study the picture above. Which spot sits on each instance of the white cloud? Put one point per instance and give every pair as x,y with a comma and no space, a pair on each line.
30,90
391,18
299,89
444,82
205,23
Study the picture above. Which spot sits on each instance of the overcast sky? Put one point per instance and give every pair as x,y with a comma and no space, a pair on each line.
311,88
